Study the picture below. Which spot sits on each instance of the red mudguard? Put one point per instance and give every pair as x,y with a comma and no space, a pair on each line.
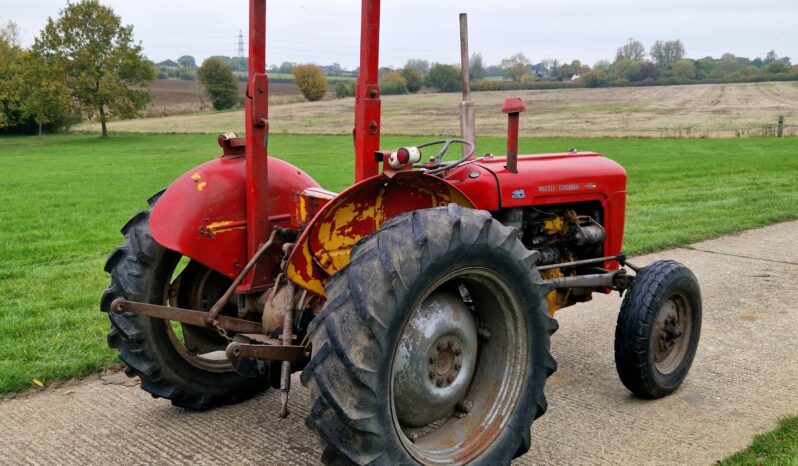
202,215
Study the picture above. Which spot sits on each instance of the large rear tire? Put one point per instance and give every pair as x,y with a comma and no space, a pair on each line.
156,350
433,346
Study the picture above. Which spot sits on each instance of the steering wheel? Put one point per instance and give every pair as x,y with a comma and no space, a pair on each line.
436,165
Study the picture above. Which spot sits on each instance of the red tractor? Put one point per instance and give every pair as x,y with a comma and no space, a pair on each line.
417,303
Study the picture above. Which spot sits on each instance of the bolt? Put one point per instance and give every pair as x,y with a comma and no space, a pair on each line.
431,360
462,408
439,382
450,378
457,351
431,375
450,344
441,346
457,366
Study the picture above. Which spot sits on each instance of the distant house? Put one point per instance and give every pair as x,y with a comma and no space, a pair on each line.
576,77
168,65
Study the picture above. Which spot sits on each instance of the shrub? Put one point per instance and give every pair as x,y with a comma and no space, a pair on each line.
487,85
777,67
220,83
595,78
393,83
414,78
445,78
620,83
345,89
310,81
684,69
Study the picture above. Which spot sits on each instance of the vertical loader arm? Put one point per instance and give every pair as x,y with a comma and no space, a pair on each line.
367,93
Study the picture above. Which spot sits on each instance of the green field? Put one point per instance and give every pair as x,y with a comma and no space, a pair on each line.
64,199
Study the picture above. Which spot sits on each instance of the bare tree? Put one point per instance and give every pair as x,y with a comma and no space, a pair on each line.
667,53
477,69
515,67
632,50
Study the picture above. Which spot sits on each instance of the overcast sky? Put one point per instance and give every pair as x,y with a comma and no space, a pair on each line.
327,31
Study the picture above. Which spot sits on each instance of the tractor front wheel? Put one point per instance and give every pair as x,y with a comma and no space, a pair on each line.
183,363
433,347
658,328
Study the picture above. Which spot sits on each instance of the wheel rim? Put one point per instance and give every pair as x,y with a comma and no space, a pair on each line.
670,336
448,415
198,287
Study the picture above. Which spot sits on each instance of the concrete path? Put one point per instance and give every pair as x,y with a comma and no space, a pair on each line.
744,378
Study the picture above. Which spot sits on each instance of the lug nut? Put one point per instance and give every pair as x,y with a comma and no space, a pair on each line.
441,346
439,383
457,351
431,360
431,375
450,378
457,366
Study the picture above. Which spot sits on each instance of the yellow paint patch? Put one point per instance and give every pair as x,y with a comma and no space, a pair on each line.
201,185
225,225
196,176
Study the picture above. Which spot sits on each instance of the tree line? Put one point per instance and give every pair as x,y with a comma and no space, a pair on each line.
85,64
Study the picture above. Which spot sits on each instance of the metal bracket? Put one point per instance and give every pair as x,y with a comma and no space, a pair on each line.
186,316
260,100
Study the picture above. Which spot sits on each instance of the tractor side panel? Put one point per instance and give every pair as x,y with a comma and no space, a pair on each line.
566,178
479,184
323,249
203,213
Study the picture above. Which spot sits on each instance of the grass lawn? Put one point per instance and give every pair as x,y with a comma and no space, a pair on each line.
776,448
64,198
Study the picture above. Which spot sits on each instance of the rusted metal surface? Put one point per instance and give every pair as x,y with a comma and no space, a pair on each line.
212,316
598,280
670,337
367,93
287,339
477,416
468,126
513,106
324,246
620,258
186,316
256,108
435,360
285,353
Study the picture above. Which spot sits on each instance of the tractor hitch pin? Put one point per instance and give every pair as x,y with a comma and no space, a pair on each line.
211,318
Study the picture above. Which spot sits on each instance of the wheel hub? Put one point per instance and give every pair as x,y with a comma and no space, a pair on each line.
671,334
435,360
446,361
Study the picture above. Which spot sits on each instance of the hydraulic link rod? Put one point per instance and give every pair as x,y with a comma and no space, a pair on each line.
185,316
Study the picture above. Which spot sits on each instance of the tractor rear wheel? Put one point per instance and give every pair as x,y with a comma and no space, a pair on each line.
658,328
182,363
433,347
